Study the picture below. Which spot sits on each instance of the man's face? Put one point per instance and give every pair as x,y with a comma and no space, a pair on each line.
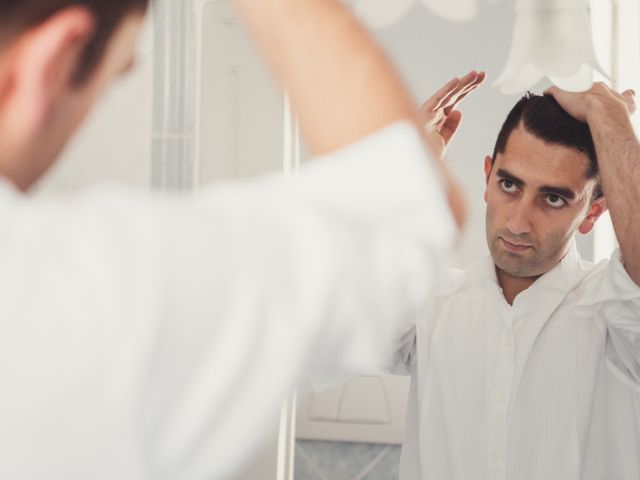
537,196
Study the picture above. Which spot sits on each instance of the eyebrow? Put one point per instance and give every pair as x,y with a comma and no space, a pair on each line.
560,191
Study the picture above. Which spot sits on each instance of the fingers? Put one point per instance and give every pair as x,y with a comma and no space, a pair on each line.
435,111
479,80
553,91
567,99
436,100
430,109
630,98
455,88
463,84
450,126
473,81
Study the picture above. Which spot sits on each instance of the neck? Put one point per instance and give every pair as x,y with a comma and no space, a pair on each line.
511,285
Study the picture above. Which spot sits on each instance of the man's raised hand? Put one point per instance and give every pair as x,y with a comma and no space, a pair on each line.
439,115
599,98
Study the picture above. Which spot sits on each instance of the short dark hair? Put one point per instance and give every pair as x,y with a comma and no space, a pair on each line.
543,117
17,16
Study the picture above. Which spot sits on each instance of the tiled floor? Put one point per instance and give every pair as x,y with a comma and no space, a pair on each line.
316,460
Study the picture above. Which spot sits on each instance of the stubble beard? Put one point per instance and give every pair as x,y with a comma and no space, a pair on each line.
518,264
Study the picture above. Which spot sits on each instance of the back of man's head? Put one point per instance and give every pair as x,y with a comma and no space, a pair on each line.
545,119
18,16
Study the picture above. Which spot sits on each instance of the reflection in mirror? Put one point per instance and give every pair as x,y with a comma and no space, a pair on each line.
479,349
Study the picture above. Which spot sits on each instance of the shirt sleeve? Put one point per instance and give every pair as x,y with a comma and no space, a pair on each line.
618,302
198,314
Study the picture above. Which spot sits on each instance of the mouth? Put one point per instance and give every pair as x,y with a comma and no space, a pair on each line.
515,247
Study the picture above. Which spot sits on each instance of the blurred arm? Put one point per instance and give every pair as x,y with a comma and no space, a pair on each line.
342,85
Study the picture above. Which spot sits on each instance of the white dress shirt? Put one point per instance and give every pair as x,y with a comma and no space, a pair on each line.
546,389
151,337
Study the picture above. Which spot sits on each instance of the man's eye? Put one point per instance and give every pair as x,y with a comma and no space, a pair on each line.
508,186
555,201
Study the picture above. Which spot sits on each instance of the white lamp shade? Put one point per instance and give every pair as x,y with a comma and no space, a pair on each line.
453,10
553,40
385,13
382,13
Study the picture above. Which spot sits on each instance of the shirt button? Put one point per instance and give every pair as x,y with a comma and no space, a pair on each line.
493,456
500,398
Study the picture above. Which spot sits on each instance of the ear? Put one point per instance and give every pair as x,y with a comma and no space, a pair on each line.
45,62
597,208
488,164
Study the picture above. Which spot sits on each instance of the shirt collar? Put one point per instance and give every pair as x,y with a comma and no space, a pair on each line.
562,276
482,274
614,283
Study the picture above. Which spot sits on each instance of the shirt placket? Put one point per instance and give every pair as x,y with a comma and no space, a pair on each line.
499,395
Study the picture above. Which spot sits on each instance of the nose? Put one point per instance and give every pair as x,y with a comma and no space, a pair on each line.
519,221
